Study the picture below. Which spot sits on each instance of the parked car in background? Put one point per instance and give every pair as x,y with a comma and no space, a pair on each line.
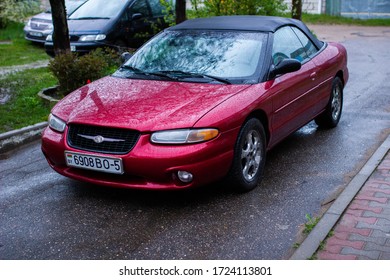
39,26
201,101
119,23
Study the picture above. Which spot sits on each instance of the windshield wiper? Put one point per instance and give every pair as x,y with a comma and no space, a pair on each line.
81,18
141,72
194,75
219,79
132,68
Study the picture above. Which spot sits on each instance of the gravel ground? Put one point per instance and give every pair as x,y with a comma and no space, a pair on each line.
339,33
9,69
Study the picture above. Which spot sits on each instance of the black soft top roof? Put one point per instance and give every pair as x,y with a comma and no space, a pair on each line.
244,23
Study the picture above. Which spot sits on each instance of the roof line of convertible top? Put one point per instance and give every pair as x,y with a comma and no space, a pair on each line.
244,23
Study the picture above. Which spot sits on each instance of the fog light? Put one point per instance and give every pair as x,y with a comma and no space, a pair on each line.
185,176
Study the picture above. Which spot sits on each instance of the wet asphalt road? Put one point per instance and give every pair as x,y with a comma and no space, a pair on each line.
46,216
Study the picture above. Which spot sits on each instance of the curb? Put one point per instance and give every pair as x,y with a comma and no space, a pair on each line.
12,139
310,245
44,94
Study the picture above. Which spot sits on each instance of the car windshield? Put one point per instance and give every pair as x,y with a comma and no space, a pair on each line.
99,9
72,5
223,54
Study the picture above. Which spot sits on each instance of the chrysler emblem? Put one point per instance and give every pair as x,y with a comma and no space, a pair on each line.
100,139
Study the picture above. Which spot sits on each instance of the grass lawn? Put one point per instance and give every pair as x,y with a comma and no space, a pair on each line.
15,50
25,107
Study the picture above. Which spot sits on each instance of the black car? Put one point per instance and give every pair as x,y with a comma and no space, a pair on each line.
119,23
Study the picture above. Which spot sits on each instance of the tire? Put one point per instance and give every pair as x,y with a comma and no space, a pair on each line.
332,114
249,157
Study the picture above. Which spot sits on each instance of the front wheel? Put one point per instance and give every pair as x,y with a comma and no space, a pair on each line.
331,116
249,157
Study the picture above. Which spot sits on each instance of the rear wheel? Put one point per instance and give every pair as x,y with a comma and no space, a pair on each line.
331,116
249,157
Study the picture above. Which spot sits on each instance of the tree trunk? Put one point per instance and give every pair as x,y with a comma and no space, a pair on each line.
61,32
296,11
180,10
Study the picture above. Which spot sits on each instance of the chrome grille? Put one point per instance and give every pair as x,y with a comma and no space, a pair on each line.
102,139
40,24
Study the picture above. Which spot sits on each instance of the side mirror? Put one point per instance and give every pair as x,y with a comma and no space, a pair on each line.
125,56
136,16
285,66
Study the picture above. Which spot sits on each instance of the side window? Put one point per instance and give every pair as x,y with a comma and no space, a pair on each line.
308,45
157,8
139,7
287,45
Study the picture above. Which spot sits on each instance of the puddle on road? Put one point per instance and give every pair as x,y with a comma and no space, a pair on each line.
308,129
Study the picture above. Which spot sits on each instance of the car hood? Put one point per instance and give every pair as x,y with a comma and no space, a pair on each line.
144,105
42,16
88,26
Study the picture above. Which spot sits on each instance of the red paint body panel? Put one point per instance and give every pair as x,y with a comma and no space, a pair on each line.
144,105
149,165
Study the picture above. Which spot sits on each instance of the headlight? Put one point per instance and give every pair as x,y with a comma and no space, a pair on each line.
184,136
49,38
29,23
88,38
56,123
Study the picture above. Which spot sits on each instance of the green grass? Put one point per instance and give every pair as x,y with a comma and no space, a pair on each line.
310,224
327,19
24,107
18,50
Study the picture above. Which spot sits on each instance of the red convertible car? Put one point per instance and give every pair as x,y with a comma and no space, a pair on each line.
201,101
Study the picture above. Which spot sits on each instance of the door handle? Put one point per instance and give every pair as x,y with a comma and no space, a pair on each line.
313,76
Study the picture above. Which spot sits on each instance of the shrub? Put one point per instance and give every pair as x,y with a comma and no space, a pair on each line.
233,7
73,71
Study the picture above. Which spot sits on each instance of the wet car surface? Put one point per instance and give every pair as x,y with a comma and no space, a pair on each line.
202,101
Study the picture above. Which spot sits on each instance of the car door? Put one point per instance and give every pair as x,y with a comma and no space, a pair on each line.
323,76
137,23
292,93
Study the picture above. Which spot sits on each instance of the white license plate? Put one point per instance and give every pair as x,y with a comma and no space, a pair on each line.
97,163
36,34
72,48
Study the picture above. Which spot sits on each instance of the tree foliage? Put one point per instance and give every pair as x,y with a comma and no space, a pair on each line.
16,11
233,7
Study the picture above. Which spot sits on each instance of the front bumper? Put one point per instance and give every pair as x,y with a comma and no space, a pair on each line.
38,36
150,166
81,48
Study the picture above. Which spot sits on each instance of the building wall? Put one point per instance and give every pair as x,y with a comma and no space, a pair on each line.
309,6
365,9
